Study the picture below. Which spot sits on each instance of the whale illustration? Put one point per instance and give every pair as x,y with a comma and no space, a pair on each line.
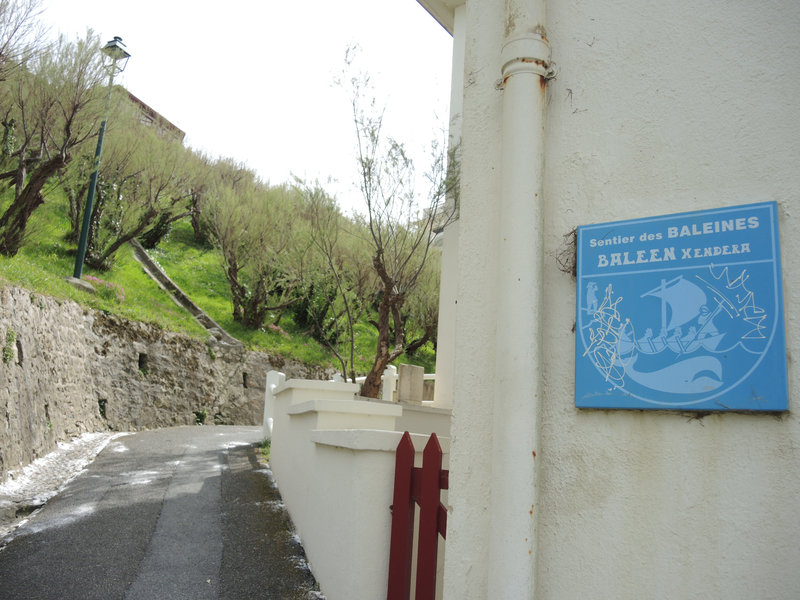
691,376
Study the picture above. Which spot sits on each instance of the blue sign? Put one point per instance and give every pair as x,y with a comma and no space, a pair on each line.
682,312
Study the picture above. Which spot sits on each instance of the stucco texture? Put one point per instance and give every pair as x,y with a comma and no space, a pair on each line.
661,108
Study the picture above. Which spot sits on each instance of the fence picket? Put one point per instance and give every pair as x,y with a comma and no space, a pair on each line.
428,541
423,486
402,522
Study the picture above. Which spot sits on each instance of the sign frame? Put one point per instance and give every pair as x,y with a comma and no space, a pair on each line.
682,312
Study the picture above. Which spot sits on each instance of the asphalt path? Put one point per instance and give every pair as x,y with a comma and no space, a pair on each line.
188,512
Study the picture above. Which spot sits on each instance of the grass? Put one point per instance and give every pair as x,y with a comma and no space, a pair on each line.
46,260
183,259
264,447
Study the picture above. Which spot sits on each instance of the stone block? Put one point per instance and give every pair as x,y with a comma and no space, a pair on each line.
410,384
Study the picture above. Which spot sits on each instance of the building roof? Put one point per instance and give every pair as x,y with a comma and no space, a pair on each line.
152,117
442,11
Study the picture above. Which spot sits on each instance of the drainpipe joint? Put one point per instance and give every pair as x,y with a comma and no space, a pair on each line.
526,53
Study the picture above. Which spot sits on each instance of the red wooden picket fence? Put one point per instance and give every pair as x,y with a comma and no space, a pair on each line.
422,486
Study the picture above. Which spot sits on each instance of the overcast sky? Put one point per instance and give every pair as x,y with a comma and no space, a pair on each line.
253,79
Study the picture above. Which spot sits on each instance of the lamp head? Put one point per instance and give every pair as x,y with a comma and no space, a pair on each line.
117,51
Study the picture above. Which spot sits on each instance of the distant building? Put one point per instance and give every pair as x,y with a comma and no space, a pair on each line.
149,116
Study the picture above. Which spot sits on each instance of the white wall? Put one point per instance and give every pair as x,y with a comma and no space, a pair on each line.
424,419
657,108
663,107
448,283
468,511
333,458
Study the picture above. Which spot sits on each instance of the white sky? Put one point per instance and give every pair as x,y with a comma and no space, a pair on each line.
253,79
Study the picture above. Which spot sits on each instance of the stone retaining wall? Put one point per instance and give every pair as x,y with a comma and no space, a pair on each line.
67,370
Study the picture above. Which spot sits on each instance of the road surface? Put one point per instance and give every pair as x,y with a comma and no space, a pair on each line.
187,512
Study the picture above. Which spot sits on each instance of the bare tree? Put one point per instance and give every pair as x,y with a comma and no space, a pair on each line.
20,34
400,225
149,181
254,226
201,183
338,298
122,143
56,106
420,314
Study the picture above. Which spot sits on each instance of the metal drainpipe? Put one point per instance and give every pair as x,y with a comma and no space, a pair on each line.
525,59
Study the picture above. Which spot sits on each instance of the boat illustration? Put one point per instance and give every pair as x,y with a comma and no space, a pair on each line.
683,304
679,361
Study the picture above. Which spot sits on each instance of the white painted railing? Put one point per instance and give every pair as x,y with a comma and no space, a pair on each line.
389,380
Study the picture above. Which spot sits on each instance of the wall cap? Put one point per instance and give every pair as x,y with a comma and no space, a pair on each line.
426,408
345,406
371,439
315,384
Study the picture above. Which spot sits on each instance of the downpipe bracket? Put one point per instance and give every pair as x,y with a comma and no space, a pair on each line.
526,53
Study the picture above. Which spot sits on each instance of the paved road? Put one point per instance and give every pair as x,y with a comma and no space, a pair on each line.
176,513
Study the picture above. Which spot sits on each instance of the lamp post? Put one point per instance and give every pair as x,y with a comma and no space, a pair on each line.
117,52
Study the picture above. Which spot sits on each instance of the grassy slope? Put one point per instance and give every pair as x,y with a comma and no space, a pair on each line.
183,260
198,272
47,260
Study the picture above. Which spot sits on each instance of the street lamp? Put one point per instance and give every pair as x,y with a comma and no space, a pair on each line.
117,52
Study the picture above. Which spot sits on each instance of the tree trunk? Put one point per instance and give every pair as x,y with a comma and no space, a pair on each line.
101,260
238,293
372,384
15,219
75,198
150,238
384,354
94,225
199,236
254,314
415,345
200,230
14,222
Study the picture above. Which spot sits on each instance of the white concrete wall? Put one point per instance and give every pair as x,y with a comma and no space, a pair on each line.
466,568
663,107
657,108
448,283
333,458
425,420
